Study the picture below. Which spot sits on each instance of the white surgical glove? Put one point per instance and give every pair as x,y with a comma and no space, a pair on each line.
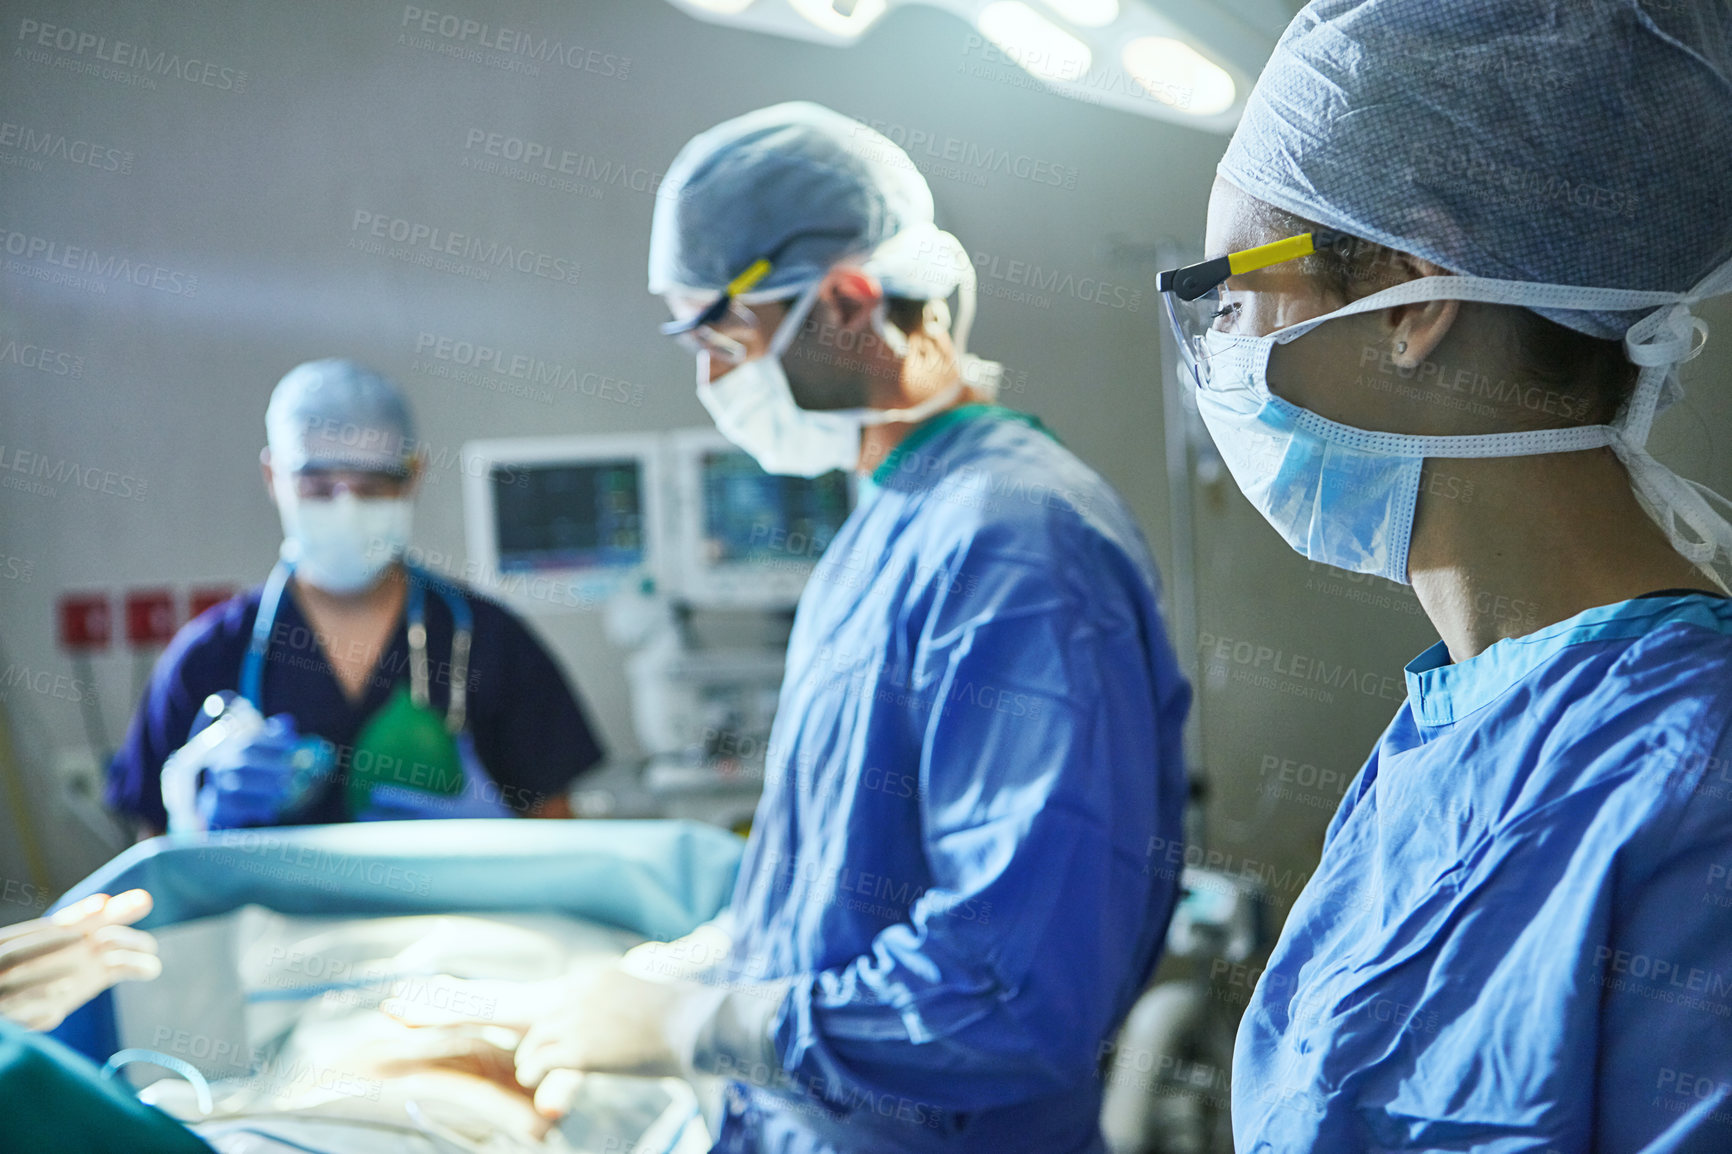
51,966
699,952
612,1022
612,1019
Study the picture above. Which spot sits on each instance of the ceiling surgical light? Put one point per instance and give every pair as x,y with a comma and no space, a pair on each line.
1162,59
1033,42
1086,13
846,18
1178,75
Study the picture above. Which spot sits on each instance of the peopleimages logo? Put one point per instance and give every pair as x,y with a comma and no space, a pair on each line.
545,376
36,36
42,359
38,473
433,243
90,262
515,44
33,145
545,159
912,145
1031,284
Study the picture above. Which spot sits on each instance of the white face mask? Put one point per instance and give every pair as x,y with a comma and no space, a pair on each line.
342,544
1346,496
753,405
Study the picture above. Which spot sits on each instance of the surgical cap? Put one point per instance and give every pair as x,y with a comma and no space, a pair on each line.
1578,142
336,414
828,186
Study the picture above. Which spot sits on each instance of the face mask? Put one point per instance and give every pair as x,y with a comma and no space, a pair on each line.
343,544
753,405
1346,496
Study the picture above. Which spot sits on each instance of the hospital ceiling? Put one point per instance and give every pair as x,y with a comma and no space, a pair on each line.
1191,62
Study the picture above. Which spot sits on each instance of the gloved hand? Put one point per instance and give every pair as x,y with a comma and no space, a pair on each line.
254,780
689,958
597,1018
609,1021
51,966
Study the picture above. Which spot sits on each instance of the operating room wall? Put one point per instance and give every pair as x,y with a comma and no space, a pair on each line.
224,214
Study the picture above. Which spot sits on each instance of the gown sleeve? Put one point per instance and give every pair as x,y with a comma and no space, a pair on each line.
1666,982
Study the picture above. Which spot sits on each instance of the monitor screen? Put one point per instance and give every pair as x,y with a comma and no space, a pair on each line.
751,517
569,515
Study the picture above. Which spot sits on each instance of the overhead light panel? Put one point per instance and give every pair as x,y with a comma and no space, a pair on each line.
1179,76
846,18
1086,13
1033,42
1163,59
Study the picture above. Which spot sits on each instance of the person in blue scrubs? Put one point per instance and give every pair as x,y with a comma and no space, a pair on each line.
1454,255
946,904
389,692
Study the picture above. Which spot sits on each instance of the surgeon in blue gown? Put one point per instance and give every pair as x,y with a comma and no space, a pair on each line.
1517,939
947,903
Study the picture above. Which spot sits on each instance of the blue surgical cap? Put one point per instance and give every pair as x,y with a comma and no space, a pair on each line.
1578,142
828,186
336,414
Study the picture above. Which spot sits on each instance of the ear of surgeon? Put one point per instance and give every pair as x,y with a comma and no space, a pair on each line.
1563,532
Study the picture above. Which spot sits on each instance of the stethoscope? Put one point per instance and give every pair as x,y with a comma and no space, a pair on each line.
463,635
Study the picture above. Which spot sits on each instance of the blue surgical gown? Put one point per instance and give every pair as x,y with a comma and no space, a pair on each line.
1519,937
976,747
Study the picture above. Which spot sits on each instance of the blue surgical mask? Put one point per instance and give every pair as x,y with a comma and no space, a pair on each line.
1334,503
1346,496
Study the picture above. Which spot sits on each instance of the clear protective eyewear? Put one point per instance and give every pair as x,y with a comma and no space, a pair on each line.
322,484
708,337
1196,302
700,333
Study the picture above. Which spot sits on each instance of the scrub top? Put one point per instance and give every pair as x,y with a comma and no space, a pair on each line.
976,748
52,1099
529,728
1519,937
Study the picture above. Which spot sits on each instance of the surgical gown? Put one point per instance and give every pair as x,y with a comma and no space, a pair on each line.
976,748
1519,937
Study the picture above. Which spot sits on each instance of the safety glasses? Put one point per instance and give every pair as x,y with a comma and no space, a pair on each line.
701,332
1194,295
322,484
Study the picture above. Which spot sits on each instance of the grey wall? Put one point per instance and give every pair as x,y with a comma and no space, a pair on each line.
250,188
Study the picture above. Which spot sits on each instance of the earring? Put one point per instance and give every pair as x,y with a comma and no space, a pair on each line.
1401,346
